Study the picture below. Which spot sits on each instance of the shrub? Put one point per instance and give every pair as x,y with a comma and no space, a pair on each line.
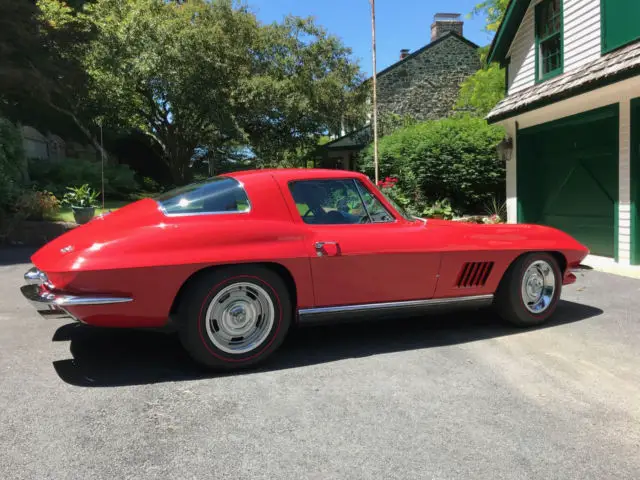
454,158
150,185
35,205
56,176
11,159
439,209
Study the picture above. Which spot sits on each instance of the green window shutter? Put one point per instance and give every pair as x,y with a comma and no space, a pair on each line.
620,23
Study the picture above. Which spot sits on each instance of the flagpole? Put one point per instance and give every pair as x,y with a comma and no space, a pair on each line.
375,89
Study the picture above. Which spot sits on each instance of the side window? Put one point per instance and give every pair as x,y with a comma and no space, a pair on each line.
215,195
336,202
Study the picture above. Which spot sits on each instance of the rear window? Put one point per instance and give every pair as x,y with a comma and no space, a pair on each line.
214,195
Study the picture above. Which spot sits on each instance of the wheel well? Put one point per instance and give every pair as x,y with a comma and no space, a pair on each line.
282,271
559,257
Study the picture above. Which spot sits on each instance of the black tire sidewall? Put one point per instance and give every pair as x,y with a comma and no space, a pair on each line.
193,316
510,301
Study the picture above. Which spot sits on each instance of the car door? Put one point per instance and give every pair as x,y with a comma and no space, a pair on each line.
360,250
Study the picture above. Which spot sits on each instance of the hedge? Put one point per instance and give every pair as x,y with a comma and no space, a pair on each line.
454,158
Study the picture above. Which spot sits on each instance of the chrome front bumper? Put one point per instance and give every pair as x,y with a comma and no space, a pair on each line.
51,304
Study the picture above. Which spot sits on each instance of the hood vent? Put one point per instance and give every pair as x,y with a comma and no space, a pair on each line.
474,274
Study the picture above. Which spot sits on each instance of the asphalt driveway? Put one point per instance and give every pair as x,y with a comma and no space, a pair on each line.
444,397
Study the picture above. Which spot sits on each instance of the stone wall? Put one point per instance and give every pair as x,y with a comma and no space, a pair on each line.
426,86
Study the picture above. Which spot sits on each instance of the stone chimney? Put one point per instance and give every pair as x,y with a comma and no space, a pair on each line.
444,23
404,53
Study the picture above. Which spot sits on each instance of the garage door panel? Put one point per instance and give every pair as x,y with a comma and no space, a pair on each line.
581,195
568,178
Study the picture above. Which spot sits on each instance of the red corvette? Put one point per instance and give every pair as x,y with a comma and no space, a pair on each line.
233,261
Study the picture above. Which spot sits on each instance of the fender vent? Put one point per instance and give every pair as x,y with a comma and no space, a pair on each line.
474,274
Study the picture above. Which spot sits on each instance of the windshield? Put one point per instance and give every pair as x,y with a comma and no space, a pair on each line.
214,195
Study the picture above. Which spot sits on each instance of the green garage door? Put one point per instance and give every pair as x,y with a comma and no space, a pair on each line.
568,177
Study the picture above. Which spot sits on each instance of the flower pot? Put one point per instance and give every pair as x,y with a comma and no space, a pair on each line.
83,214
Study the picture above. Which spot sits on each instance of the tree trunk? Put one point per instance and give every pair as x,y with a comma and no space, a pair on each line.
179,160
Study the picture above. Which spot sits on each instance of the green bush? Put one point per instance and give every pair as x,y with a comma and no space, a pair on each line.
57,176
11,159
34,205
454,159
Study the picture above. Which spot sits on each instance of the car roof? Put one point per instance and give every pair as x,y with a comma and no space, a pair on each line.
290,174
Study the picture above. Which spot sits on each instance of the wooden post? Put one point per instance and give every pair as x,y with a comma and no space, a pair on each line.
375,89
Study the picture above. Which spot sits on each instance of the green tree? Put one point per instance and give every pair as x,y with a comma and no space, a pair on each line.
480,92
12,160
484,89
207,75
494,11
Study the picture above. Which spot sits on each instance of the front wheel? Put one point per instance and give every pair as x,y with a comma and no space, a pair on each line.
529,291
235,317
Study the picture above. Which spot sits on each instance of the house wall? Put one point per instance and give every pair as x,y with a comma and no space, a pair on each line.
426,86
581,42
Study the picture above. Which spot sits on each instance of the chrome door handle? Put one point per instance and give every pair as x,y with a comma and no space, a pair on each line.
320,247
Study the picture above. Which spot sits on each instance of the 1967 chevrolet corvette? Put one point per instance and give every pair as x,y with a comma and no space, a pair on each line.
234,261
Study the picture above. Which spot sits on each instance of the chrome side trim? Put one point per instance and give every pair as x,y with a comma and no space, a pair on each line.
309,314
54,305
34,294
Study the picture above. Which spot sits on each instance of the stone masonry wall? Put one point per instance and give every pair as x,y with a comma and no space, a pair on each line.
426,86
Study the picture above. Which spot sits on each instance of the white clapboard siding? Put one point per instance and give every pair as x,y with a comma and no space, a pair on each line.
523,56
581,32
581,41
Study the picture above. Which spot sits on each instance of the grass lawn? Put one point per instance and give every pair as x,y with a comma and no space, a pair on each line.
66,215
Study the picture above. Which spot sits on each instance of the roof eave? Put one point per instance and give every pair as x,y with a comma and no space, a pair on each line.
564,95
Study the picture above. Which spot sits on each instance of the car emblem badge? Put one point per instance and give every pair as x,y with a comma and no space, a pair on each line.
67,249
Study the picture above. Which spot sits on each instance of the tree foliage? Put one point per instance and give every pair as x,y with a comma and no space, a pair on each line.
494,11
207,75
40,71
483,90
454,158
11,159
480,92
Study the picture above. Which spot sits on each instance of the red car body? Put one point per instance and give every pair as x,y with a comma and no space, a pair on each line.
139,259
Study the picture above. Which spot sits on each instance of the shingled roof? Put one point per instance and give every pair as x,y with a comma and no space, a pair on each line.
613,67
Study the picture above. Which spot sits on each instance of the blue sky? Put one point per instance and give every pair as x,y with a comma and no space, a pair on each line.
399,23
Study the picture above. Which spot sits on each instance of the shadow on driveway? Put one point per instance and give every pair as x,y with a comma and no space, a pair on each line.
108,357
16,255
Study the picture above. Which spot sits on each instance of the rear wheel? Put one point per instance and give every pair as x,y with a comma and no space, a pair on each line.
530,289
235,317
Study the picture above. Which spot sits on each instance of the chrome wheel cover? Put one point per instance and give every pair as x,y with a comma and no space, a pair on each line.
538,286
240,318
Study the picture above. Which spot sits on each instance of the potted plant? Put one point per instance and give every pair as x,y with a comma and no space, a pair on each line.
82,201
